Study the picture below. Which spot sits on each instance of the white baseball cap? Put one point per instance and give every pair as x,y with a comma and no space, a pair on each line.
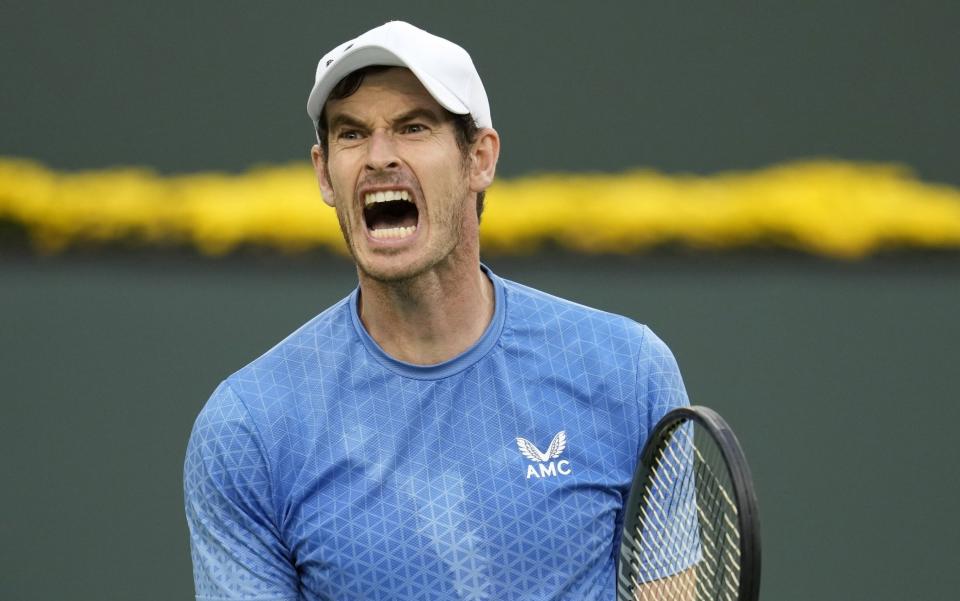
444,68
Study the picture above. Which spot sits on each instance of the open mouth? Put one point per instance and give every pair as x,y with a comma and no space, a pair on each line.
390,214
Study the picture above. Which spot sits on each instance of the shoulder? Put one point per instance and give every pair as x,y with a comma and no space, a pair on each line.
310,346
531,309
264,389
595,334
223,410
327,330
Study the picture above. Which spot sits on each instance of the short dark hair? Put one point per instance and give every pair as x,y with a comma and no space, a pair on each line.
463,125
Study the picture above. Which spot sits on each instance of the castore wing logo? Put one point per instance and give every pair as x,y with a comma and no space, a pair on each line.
544,465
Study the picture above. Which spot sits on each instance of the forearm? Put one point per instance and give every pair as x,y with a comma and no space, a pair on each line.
679,587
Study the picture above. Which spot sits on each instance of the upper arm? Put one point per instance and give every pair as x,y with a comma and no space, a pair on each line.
235,544
666,562
660,385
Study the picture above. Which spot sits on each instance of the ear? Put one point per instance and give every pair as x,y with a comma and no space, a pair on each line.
323,177
484,153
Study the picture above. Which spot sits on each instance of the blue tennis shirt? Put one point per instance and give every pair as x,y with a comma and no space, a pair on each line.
327,470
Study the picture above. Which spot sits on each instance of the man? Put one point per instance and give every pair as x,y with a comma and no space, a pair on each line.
441,433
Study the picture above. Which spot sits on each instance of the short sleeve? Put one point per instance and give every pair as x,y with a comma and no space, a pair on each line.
660,386
672,512
235,544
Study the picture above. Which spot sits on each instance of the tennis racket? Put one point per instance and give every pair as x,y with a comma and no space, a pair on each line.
691,530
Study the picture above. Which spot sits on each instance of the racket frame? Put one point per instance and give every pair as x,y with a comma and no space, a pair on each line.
739,472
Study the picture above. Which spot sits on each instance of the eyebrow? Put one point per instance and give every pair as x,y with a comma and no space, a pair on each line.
418,113
344,120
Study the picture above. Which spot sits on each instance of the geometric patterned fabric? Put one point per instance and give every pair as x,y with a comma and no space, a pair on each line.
327,470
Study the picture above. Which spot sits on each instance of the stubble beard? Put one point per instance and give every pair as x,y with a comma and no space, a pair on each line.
448,222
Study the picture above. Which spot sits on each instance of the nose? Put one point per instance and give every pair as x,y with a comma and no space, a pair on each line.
381,152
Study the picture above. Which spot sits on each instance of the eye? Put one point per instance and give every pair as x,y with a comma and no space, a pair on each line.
348,134
413,128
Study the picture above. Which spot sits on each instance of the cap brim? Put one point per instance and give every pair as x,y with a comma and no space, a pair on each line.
366,56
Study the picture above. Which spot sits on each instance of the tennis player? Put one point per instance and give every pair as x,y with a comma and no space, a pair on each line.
441,432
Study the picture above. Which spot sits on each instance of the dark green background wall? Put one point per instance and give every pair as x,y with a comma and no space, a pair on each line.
682,86
840,380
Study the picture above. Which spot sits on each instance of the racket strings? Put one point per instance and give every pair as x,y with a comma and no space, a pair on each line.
686,545
668,522
720,534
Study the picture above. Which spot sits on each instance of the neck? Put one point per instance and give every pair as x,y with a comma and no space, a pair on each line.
430,318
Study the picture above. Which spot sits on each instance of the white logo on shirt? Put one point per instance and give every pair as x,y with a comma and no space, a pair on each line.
544,465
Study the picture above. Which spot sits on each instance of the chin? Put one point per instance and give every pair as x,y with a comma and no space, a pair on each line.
393,269
402,266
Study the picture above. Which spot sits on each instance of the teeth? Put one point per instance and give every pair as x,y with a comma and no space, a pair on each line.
386,195
393,233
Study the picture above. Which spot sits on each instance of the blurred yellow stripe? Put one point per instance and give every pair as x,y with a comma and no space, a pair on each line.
833,208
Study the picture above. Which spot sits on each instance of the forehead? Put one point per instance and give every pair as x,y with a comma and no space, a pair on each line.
391,90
